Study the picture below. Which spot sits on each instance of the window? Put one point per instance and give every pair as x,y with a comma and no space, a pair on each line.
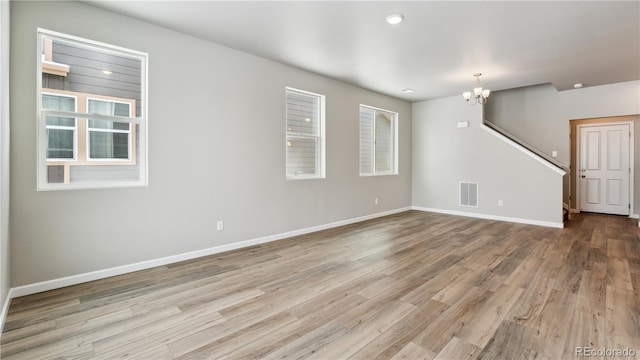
92,125
61,131
109,140
378,138
304,135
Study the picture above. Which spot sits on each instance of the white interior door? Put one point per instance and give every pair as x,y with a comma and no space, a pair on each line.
604,169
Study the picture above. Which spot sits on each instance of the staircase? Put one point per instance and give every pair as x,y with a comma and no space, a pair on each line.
533,152
525,145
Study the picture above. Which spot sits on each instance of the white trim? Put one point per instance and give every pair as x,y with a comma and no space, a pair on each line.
112,49
5,75
524,150
95,185
5,310
558,225
119,270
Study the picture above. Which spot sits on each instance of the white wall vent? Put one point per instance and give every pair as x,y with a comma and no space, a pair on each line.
469,194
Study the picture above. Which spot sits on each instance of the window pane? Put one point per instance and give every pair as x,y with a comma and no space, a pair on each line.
108,145
108,108
377,141
366,140
60,144
301,156
303,113
61,121
304,134
63,103
84,76
383,141
107,72
115,125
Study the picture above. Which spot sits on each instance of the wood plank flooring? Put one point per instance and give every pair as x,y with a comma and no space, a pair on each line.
413,285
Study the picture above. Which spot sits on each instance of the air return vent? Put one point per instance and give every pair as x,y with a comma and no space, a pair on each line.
469,194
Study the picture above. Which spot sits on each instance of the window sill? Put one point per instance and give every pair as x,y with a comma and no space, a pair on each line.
86,186
375,175
294,178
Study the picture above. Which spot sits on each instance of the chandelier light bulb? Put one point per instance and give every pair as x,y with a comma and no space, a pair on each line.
480,95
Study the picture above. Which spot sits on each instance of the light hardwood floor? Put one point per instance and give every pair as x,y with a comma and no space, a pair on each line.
408,286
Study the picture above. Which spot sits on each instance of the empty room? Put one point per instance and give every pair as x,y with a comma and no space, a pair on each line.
319,179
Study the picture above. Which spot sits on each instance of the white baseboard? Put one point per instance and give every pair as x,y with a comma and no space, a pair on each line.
574,211
492,217
119,270
5,310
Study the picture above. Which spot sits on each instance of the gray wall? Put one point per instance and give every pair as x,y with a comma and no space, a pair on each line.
444,155
4,152
540,116
216,152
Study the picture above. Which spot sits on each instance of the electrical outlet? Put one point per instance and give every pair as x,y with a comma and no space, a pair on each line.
500,203
220,225
375,201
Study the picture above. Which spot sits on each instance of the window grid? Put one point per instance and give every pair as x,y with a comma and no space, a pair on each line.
93,131
60,129
378,141
87,68
304,134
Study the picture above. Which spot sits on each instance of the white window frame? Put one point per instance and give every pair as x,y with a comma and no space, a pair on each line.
74,128
319,138
393,147
141,120
90,129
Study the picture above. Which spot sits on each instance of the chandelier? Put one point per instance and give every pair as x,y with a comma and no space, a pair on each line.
480,95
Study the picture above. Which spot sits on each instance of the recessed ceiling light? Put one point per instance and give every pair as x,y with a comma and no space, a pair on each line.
395,19
407,90
577,85
107,72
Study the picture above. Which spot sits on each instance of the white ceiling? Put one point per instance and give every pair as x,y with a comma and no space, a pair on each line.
435,51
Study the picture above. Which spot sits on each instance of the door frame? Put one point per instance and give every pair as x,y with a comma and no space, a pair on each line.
631,159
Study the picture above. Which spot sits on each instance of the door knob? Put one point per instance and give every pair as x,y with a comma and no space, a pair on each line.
583,176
